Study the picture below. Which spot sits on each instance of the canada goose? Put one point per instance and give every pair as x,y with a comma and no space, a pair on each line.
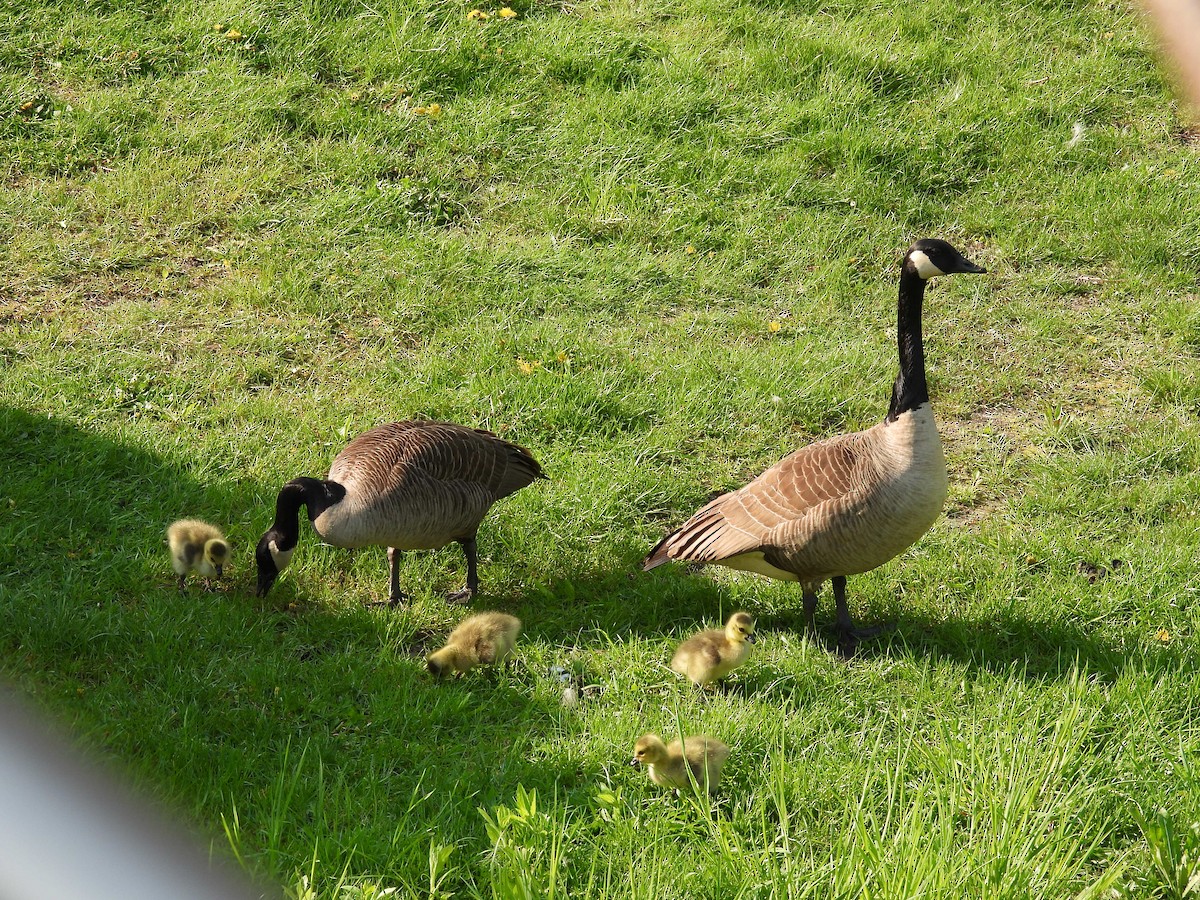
483,639
668,765
846,504
406,486
711,655
196,546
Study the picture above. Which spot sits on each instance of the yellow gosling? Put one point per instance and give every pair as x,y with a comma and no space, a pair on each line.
711,655
199,547
483,639
669,765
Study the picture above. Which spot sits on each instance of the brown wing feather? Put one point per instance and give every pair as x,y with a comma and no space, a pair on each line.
400,452
744,520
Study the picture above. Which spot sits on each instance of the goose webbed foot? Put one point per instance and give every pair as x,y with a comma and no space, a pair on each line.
849,635
463,597
399,598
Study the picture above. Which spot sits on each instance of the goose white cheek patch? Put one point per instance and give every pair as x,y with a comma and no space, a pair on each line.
281,557
925,267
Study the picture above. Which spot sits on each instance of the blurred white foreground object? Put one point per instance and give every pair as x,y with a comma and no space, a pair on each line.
69,829
1179,27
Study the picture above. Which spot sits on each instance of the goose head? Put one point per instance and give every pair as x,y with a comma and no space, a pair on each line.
930,257
271,560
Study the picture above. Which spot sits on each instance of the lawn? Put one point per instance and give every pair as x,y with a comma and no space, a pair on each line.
658,245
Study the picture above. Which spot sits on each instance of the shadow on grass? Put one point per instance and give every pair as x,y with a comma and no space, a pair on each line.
1041,648
1038,647
317,729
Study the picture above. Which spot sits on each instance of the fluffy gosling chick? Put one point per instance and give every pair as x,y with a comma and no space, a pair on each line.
483,639
668,765
199,547
711,655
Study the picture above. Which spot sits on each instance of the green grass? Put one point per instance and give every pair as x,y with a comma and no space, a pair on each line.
224,256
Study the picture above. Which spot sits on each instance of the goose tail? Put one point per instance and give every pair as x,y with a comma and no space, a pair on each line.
658,555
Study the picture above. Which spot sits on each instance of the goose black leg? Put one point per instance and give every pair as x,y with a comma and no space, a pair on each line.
183,585
810,609
472,586
848,634
395,595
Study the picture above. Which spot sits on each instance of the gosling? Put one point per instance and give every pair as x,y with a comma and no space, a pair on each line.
483,639
197,546
669,765
711,655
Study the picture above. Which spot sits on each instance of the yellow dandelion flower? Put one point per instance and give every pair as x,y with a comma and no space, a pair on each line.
507,13
563,357
433,109
1163,635
477,15
234,35
773,326
526,367
689,249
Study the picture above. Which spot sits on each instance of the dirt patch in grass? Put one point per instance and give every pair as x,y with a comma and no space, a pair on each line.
988,424
24,303
972,513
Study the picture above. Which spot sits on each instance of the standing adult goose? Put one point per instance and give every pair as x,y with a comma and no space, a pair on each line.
846,504
405,486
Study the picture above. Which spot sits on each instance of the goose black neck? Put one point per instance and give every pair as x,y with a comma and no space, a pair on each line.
314,493
910,389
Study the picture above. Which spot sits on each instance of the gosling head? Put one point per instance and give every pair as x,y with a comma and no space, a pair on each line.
740,627
216,555
270,560
930,257
648,751
447,661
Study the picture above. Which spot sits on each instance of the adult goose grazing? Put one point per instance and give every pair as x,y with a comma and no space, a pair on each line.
846,504
405,486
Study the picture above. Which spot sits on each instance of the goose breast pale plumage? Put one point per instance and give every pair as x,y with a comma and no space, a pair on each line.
836,507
